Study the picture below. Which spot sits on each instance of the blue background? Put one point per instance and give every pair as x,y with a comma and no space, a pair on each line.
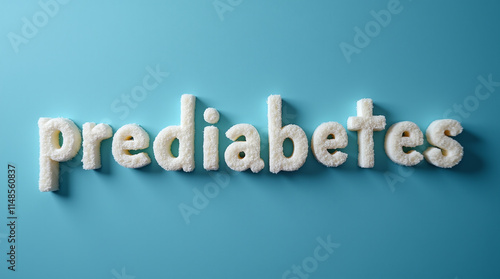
125,223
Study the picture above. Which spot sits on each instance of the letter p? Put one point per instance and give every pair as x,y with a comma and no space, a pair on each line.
51,152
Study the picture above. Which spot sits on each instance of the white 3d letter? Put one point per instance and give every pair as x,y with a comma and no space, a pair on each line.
365,123
131,137
278,134
404,134
438,134
92,136
184,133
51,153
320,143
250,149
211,140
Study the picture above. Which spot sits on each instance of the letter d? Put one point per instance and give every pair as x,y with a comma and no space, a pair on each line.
184,133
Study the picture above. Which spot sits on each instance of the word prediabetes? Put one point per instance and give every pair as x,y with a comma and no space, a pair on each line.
242,155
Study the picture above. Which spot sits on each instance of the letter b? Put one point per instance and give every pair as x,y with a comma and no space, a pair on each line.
278,134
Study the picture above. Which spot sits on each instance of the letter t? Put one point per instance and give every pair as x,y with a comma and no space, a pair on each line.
365,123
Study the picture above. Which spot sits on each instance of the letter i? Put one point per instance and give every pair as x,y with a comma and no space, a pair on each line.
211,140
